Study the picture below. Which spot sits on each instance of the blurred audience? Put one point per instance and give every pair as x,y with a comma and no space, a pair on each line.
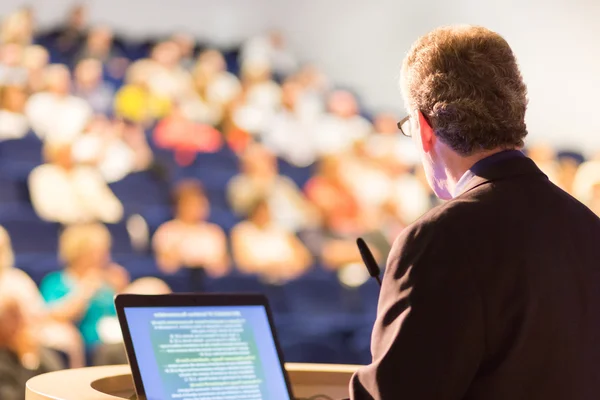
269,49
35,61
189,240
261,247
65,192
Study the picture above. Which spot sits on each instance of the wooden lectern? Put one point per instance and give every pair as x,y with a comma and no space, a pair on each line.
115,382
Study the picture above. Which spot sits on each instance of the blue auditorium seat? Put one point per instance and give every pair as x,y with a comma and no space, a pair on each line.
33,236
37,265
12,192
18,157
121,241
138,190
313,350
223,216
235,283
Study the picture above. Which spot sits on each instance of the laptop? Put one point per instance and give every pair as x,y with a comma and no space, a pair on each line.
202,346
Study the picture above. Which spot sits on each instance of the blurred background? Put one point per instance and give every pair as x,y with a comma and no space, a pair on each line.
238,146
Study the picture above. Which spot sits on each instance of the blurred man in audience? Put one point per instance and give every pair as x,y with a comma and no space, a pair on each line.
13,123
21,358
189,240
64,192
116,148
261,247
187,45
90,86
260,178
55,114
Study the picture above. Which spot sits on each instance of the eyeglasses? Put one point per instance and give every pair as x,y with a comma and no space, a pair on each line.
404,126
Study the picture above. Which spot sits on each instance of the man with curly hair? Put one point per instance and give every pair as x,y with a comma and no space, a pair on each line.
495,294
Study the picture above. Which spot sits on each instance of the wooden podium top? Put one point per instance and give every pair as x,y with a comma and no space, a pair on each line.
115,383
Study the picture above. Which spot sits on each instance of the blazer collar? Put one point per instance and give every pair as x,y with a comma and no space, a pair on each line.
501,166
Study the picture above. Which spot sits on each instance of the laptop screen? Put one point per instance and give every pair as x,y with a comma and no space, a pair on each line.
220,352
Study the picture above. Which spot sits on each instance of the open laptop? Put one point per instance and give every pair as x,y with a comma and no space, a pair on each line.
196,346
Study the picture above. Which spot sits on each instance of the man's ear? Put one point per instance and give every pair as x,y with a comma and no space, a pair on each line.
427,135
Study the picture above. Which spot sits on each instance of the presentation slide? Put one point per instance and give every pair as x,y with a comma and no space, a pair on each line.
206,353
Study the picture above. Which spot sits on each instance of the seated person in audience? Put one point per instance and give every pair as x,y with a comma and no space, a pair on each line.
55,114
67,37
334,198
167,78
261,179
35,61
21,357
261,247
288,134
13,123
115,148
187,47
185,137
337,131
17,285
83,292
99,46
269,48
260,100
387,144
215,89
135,101
190,241
12,72
64,192
17,27
90,86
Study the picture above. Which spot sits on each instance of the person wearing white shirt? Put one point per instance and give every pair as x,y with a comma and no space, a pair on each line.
56,115
67,193
338,131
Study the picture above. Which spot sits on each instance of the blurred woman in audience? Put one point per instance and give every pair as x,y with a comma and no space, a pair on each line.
55,114
64,192
13,123
135,101
83,292
17,285
188,240
115,148
21,357
167,77
261,179
90,86
263,248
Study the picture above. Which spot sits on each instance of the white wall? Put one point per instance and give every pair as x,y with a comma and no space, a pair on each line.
361,43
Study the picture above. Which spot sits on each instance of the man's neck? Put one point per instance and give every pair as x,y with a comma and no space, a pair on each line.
457,166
